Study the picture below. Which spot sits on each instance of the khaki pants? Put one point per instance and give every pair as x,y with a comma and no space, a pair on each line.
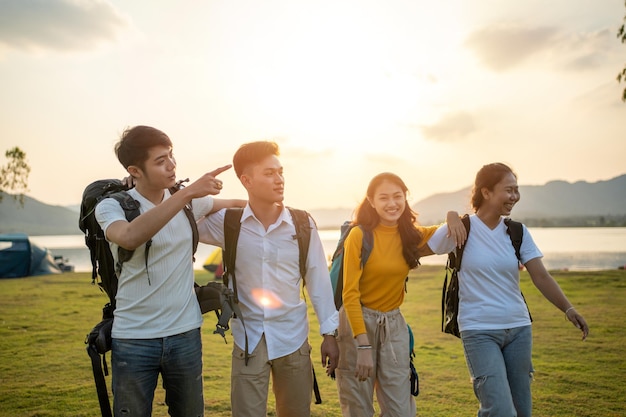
292,382
389,337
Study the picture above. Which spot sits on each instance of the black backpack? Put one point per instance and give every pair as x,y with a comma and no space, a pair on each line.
105,271
450,291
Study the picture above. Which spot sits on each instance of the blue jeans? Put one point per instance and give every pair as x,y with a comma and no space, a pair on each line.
136,366
499,362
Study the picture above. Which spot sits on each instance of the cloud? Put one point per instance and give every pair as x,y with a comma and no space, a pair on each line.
450,127
583,51
502,47
61,25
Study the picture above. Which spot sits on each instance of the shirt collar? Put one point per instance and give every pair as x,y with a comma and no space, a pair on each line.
284,216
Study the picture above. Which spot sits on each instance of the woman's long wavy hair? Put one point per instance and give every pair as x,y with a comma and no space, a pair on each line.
367,218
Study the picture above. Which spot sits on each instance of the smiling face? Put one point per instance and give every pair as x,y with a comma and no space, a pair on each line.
389,201
503,197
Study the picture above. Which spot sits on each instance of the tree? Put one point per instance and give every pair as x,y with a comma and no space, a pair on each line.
14,175
621,76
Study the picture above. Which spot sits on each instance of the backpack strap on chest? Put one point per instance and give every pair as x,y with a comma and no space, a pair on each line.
515,231
303,234
367,245
188,210
131,212
232,226
455,257
230,302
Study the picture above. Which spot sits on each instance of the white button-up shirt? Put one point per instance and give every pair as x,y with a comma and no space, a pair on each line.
269,283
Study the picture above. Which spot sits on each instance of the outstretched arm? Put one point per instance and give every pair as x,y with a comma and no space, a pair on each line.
220,203
131,235
456,231
553,293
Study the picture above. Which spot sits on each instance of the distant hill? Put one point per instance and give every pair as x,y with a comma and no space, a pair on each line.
546,204
36,218
557,203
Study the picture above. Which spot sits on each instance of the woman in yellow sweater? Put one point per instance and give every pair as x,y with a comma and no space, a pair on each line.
373,336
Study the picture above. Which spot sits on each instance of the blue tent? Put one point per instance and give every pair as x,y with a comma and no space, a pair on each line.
19,257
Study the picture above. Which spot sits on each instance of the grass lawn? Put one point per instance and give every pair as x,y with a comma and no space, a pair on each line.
45,370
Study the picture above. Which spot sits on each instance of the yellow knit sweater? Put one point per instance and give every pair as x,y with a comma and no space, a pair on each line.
380,285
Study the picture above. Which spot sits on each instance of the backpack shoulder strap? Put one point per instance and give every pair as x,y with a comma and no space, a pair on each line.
303,234
301,220
131,211
188,210
230,307
194,228
232,225
367,245
128,204
344,230
454,258
515,231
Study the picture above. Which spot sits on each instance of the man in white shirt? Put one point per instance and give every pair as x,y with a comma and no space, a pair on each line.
269,288
157,322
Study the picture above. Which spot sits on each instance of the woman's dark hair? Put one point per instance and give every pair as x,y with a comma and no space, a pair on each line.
252,153
367,217
487,177
135,142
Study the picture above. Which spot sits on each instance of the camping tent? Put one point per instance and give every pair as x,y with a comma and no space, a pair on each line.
19,257
214,264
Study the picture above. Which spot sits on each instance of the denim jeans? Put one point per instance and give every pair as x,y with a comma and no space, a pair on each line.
137,364
499,362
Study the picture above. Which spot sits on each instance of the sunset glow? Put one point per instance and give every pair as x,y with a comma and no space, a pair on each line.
429,90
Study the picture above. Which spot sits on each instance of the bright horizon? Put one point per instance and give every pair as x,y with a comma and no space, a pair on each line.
429,90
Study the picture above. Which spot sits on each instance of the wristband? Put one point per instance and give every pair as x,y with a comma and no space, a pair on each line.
567,311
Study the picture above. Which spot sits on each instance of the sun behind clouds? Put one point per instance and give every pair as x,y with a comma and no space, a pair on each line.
337,75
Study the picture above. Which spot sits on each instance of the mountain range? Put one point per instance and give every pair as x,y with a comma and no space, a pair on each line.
553,201
556,203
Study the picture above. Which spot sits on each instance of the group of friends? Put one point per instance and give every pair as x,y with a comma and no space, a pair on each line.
157,323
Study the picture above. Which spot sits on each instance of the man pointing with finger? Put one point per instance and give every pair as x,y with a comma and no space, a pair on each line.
157,317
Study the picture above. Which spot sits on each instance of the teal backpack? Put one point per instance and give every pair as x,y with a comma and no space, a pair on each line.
415,382
336,265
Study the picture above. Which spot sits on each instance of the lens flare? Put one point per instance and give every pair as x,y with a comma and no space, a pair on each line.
266,298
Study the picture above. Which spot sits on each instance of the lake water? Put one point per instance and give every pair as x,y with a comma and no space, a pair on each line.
587,248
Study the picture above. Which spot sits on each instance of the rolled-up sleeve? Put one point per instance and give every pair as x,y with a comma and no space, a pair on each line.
211,228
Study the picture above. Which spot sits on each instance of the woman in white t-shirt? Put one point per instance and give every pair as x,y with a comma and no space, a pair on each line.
493,318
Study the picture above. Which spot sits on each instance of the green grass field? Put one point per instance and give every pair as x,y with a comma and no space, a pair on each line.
45,370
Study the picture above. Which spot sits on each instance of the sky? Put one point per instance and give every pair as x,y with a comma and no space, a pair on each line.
430,90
